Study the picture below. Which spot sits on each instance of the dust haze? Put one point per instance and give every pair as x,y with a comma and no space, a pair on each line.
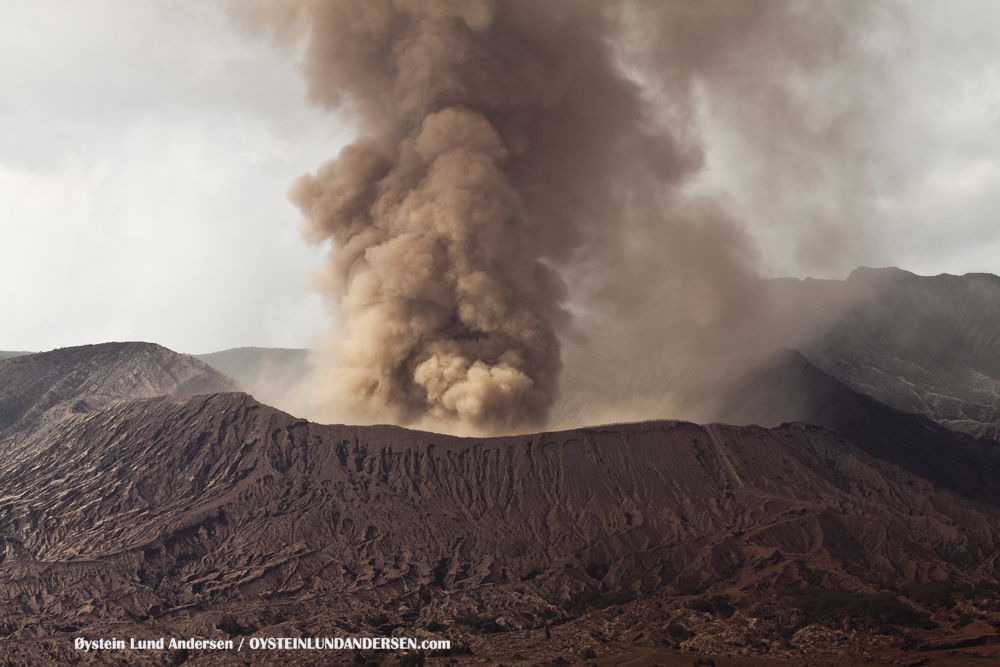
524,232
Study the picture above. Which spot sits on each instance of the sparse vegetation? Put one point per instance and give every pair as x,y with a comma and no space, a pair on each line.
456,649
362,660
939,596
821,605
484,624
701,605
717,605
987,589
234,628
597,600
412,659
678,632
934,595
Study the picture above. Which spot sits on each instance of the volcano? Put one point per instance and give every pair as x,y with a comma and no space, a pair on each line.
133,505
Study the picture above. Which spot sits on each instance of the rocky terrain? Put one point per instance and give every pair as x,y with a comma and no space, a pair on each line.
131,508
47,385
923,344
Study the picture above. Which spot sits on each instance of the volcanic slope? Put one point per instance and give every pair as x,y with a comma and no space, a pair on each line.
92,375
922,344
928,345
216,515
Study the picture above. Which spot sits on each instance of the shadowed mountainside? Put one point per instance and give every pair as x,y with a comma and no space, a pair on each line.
922,344
787,388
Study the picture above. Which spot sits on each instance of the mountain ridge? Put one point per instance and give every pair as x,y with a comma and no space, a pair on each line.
921,344
33,384
181,512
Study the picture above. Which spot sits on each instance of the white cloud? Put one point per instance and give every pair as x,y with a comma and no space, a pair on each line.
145,151
912,181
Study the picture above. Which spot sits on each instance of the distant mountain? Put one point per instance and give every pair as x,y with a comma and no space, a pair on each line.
248,364
926,345
86,377
271,374
8,354
787,388
217,516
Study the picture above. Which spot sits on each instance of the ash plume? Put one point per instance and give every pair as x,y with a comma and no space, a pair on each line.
518,161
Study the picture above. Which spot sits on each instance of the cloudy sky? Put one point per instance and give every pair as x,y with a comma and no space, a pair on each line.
146,148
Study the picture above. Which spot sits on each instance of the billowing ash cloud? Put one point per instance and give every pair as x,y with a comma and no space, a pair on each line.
515,157
450,309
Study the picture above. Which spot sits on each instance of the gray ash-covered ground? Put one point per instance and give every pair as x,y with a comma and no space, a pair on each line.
216,516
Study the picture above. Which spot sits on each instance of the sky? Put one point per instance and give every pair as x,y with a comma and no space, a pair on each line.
146,148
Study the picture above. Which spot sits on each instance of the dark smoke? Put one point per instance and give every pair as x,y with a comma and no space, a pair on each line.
521,160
